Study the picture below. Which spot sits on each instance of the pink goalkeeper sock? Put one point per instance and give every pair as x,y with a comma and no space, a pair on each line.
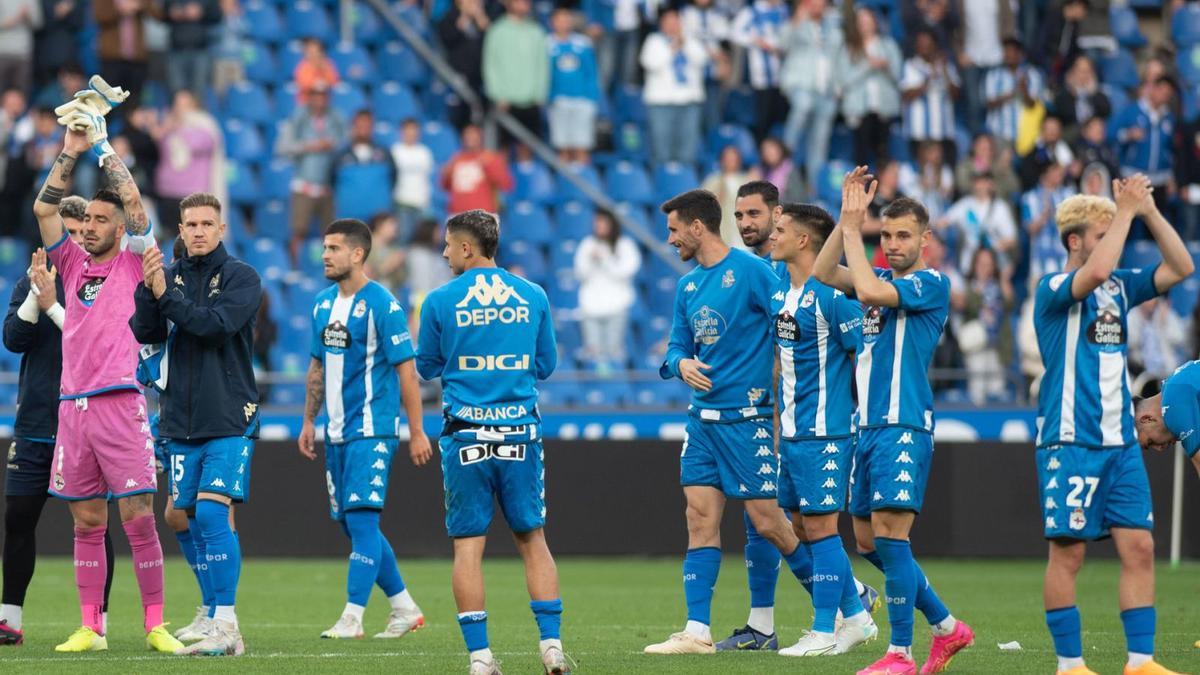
91,570
147,566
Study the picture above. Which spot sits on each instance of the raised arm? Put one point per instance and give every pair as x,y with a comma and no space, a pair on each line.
1177,263
137,223
1104,258
854,213
45,207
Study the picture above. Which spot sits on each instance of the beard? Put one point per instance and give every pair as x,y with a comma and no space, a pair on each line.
99,247
337,275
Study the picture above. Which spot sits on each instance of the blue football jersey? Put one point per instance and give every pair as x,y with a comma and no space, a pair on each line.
817,331
723,317
779,267
360,340
1181,405
1084,397
490,337
898,345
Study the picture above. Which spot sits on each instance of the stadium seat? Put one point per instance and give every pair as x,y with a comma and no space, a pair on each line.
436,100
1124,24
14,257
244,142
284,100
1183,297
393,102
673,178
235,220
353,63
244,187
525,259
737,136
567,190
628,182
1119,70
369,28
397,62
268,257
741,107
606,393
271,219
1188,61
659,394
557,394
306,19
1185,26
574,219
440,139
841,144
1118,97
1140,254
532,182
563,290
308,261
249,102
348,98
385,134
628,105
277,179
562,254
830,188
262,22
301,291
528,222
259,63
289,56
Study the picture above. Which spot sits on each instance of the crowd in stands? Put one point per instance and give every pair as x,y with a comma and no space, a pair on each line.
991,112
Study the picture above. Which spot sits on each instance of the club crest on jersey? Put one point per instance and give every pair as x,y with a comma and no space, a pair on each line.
336,337
1077,521
808,300
89,290
707,325
727,279
59,483
1111,287
214,285
360,309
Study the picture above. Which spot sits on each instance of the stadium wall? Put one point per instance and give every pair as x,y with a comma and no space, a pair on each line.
623,498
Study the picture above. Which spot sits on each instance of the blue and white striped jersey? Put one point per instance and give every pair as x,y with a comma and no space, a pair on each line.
1084,397
1181,405
490,337
817,331
760,20
1002,121
898,345
930,116
360,340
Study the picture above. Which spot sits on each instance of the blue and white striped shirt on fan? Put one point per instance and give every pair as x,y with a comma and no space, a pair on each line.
761,20
1046,252
1002,121
930,116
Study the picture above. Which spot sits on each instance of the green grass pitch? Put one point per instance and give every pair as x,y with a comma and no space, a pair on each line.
614,607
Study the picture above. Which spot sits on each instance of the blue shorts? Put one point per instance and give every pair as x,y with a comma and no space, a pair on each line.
473,472
28,467
734,457
217,465
356,474
891,467
814,474
1087,491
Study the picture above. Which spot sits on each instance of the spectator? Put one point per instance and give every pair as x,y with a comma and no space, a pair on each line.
1080,98
191,23
516,72
310,138
757,28
475,176
605,265
18,20
978,46
32,162
192,159
810,42
1010,91
574,89
387,263
121,43
1158,343
775,167
56,43
1050,147
1072,27
984,158
981,219
709,24
414,177
364,175
230,43
1093,147
16,127
674,91
888,191
140,130
461,32
426,269
731,173
68,80
869,67
1187,177
1096,181
617,27
985,334
929,86
1038,207
315,69
938,17
1143,131
930,181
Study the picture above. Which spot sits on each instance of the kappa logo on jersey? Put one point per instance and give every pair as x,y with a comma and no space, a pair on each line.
872,324
765,469
1077,521
1150,517
877,497
1051,504
905,439
767,486
727,279
381,448
335,336
89,290
828,501
779,296
903,458
1050,523
393,307
690,288
354,498
478,453
829,484
808,300
360,309
486,294
763,451
903,496
1053,464
803,502
904,477
379,465
831,465
707,325
761,433
742,487
830,449
916,282
1106,331
1052,484
376,482
787,329
374,497
237,486
130,483
217,482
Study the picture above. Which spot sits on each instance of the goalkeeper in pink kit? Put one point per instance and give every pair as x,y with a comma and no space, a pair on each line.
103,446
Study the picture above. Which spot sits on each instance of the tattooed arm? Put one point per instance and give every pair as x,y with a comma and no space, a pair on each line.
314,397
45,207
136,221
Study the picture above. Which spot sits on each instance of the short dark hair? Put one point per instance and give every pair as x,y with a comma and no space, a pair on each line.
355,231
699,205
110,197
73,206
811,217
409,120
765,189
906,206
480,226
198,199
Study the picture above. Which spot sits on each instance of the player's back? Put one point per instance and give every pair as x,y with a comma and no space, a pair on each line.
898,346
489,335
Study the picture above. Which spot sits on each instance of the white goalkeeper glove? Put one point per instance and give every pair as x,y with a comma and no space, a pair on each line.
90,121
100,96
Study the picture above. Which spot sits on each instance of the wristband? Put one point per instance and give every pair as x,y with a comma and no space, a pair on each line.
102,150
140,243
28,311
57,314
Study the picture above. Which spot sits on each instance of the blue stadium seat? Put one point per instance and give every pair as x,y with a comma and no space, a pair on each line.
1118,97
628,182
1119,70
397,62
436,100
528,222
629,141
289,57
244,142
660,393
841,144
277,178
526,259
737,136
262,22
271,219
249,102
567,190
830,188
1184,297
14,258
369,28
386,134
673,178
1188,61
1142,253
259,63
533,182
1124,24
440,139
562,253
563,290
235,220
741,107
557,394
308,261
353,63
574,219
628,105
413,14
268,257
1185,26
394,102
606,393
348,98
284,100
306,19
634,213
243,183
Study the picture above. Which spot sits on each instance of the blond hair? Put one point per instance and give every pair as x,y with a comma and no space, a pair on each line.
1077,212
197,199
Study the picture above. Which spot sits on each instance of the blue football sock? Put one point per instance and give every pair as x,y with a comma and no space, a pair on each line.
187,546
873,558
548,614
389,578
828,581
700,569
363,527
850,603
1139,629
474,630
901,585
221,550
202,571
928,602
762,566
237,538
1067,631
801,564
